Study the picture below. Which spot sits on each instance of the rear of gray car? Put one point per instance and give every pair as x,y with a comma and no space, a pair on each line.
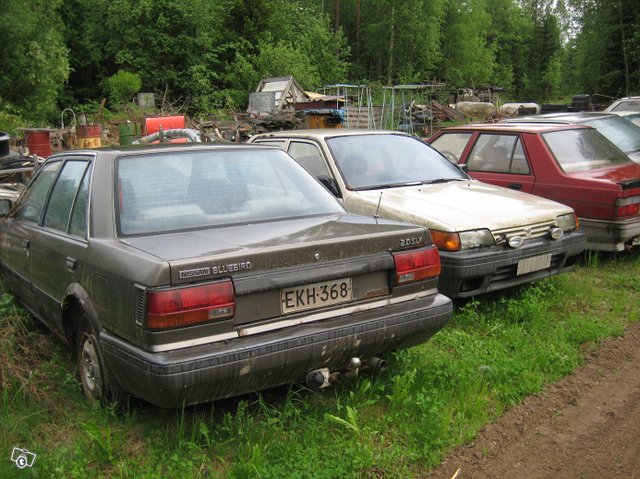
207,272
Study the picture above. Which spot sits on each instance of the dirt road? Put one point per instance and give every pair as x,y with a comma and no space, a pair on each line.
585,426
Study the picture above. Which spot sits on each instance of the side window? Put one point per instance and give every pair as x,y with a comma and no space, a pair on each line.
498,154
451,145
62,197
32,203
310,158
78,226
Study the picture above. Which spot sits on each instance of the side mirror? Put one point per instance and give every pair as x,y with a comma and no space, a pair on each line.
5,207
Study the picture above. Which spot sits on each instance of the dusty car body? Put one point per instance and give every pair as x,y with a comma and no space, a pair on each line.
184,274
624,133
489,238
573,164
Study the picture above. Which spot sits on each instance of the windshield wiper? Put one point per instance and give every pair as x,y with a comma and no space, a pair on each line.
442,180
389,185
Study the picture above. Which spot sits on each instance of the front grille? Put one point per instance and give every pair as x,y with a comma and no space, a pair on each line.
536,230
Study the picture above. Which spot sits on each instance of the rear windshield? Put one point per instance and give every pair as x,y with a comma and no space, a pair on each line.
624,134
583,150
199,189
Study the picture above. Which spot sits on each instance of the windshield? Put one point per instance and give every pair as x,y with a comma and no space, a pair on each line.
197,189
624,134
388,160
583,149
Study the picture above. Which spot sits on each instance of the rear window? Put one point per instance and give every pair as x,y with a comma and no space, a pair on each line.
624,134
199,189
583,150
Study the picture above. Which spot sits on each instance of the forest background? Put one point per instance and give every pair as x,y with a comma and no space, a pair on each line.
211,54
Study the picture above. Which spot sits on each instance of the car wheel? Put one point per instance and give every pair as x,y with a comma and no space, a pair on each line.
91,367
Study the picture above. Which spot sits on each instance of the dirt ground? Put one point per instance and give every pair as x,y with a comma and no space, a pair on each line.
585,426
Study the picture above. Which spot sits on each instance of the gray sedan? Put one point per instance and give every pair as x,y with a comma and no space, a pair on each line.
189,273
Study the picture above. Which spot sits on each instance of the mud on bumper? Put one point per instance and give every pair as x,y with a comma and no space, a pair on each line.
215,371
470,273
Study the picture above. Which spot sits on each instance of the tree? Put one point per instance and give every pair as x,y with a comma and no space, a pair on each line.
467,55
35,60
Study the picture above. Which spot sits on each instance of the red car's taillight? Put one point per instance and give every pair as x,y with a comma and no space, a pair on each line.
417,264
174,308
626,207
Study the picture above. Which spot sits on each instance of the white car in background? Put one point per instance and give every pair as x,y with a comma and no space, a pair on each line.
489,237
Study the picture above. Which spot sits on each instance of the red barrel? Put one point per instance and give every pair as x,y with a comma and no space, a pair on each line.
38,142
153,125
88,136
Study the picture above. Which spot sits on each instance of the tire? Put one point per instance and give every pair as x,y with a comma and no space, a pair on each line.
97,384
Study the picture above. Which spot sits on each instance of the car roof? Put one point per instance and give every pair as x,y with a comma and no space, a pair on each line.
562,117
521,127
130,150
323,133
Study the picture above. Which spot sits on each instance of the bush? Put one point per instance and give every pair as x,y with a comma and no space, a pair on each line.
122,86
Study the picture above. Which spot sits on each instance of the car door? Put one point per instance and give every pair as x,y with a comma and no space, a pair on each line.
59,245
19,230
500,159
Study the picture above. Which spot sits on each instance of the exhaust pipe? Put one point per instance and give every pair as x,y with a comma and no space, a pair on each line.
318,378
377,363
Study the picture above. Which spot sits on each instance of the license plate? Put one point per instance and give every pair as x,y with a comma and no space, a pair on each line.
535,263
315,295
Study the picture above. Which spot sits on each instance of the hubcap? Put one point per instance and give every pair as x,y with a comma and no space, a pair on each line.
90,373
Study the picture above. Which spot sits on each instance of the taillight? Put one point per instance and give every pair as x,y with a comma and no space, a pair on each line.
178,307
417,264
626,207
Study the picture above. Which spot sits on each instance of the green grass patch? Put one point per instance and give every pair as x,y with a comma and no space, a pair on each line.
497,350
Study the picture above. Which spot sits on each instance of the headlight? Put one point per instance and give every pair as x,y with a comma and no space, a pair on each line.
476,239
448,241
567,222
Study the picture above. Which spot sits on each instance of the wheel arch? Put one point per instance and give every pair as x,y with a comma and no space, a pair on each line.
77,306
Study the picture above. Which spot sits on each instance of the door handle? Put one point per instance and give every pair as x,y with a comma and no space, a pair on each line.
515,186
70,263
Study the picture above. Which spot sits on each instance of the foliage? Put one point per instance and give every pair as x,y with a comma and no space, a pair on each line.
606,48
206,56
35,59
122,86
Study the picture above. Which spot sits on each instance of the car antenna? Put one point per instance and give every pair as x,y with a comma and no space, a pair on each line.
376,215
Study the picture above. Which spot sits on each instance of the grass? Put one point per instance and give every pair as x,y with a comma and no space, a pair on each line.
497,350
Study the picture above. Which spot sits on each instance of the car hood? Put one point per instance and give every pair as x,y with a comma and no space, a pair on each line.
333,237
461,206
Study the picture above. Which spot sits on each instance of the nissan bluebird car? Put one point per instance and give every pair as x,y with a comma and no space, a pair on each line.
573,164
489,237
185,274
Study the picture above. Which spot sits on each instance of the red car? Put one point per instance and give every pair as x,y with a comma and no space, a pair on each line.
572,164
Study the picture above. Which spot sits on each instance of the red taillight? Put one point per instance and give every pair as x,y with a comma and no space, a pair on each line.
414,265
623,211
186,306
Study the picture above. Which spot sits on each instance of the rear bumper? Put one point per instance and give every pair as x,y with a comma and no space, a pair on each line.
252,363
474,272
611,235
